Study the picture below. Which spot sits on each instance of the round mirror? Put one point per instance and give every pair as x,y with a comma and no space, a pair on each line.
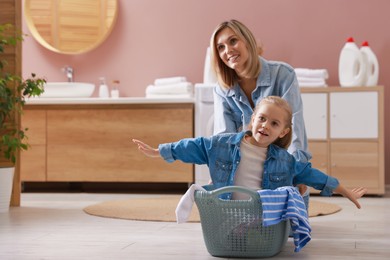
70,26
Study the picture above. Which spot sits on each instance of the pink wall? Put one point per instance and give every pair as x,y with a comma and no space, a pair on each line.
154,39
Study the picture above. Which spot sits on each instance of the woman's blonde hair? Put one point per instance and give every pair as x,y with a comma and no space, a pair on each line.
285,141
227,77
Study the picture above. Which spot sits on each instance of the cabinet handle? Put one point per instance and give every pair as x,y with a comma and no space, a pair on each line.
333,165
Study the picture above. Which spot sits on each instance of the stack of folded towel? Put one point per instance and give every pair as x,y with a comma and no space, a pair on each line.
173,87
312,77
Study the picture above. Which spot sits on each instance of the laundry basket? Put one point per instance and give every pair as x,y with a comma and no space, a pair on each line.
233,228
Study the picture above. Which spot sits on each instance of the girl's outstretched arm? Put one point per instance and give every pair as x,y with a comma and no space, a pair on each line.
353,195
147,149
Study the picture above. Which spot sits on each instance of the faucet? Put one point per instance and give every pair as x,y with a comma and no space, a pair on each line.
69,73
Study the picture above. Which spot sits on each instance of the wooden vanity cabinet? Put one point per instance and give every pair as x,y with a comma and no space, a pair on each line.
345,132
92,143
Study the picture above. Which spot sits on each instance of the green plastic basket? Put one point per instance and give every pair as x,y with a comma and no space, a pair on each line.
233,228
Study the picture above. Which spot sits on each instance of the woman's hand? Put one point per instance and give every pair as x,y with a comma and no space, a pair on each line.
147,149
353,195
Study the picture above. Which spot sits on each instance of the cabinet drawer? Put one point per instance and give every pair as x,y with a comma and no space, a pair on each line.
95,145
35,121
354,115
315,115
319,152
33,163
356,164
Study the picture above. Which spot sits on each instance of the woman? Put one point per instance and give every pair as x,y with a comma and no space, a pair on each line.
244,78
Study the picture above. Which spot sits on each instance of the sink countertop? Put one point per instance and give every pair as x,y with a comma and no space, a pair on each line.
96,100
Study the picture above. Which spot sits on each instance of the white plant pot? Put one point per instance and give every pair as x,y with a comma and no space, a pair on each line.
6,181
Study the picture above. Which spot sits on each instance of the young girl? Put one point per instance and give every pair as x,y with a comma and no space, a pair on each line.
255,159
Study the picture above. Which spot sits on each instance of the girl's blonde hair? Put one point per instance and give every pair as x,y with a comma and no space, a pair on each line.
285,141
227,77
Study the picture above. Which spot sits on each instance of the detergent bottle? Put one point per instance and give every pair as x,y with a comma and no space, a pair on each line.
352,68
372,66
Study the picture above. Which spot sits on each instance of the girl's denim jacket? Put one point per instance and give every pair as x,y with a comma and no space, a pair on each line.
222,155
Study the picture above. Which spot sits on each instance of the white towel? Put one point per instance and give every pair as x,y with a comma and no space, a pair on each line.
169,81
311,82
184,207
312,73
177,88
170,96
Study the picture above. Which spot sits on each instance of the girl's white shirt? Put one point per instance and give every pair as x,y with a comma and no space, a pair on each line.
250,170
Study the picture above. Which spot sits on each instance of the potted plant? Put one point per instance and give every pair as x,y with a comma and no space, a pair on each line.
13,90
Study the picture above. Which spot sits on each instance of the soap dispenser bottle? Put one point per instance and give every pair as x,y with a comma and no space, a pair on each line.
103,88
115,89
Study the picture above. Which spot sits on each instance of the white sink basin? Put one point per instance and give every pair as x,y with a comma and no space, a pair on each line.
68,90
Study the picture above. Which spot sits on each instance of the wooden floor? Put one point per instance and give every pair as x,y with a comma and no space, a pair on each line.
54,226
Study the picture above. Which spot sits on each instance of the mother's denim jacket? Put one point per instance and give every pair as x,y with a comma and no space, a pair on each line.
222,155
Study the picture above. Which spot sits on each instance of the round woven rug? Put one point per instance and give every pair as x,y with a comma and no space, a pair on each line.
163,209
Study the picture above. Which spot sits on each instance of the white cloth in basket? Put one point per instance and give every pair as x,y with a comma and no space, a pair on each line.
286,203
184,207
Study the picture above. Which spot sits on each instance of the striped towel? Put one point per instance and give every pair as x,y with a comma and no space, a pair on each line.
286,203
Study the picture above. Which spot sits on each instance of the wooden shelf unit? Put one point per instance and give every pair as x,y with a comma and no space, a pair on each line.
345,128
